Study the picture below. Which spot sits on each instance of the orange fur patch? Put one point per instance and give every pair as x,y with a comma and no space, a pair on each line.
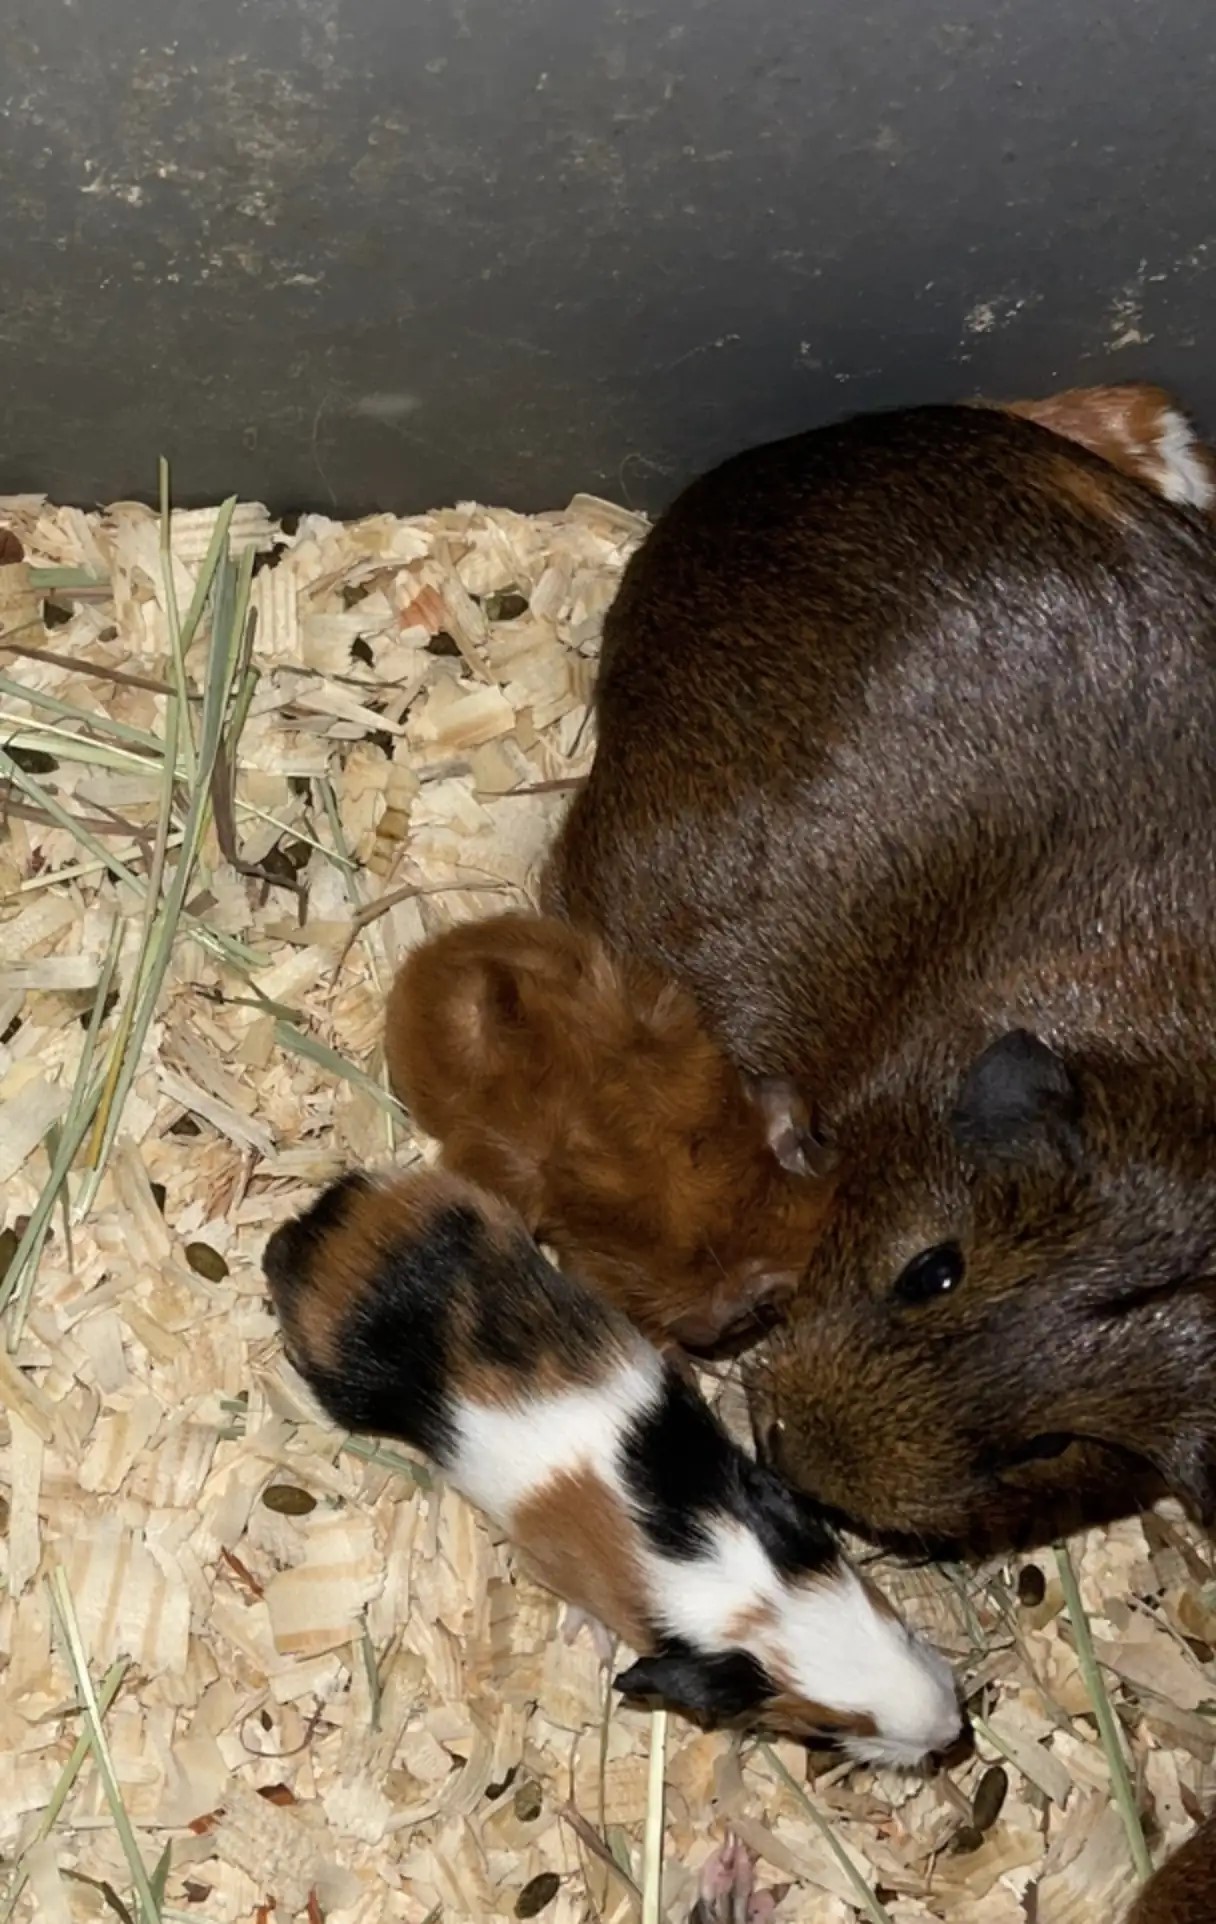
747,1626
581,1543
799,1718
1122,424
584,1088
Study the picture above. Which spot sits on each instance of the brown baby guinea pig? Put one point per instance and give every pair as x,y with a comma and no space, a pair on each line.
585,1090
906,771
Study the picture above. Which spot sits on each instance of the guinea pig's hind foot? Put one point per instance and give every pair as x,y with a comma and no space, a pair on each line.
728,1894
603,1641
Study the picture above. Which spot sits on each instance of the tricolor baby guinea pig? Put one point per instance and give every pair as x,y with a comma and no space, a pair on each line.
421,1309
584,1088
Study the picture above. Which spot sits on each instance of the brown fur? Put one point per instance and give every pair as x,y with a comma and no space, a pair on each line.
580,1543
805,1722
1184,1889
584,1088
758,1620
1122,424
903,747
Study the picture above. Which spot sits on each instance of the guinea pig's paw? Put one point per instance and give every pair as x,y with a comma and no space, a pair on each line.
602,1639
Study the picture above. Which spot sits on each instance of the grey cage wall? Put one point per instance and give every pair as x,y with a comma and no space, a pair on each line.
391,253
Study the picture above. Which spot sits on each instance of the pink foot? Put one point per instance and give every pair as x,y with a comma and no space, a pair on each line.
603,1641
728,1893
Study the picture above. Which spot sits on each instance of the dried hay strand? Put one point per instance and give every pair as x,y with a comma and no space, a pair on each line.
252,1667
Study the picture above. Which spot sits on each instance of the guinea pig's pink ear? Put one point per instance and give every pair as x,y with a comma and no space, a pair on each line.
1019,1099
787,1125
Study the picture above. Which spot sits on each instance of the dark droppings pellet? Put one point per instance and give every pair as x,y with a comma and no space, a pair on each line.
35,761
509,605
286,1500
527,1802
966,1840
298,853
989,1799
1032,1586
206,1262
502,1786
8,1248
537,1893
277,870
442,643
108,1008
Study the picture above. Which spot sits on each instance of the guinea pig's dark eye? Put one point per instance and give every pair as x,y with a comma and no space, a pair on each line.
935,1272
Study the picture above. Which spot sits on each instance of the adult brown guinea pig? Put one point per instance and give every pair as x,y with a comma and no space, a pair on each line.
1184,1889
907,769
584,1089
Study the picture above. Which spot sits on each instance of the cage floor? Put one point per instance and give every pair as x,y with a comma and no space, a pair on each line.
325,1691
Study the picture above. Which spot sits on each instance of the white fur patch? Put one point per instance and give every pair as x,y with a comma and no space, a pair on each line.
506,1452
869,1661
828,1637
1186,477
698,1600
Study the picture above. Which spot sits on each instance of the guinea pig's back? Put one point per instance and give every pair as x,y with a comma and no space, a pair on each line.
810,565
860,688
408,1304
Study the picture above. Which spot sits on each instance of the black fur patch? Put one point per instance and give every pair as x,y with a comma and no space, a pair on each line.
395,1372
286,1258
681,1463
524,1305
716,1689
684,1470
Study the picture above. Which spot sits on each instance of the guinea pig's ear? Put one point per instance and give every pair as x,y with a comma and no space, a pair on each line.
502,997
1018,1099
787,1125
716,1689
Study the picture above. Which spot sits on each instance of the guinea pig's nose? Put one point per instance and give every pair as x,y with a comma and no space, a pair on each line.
956,1753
